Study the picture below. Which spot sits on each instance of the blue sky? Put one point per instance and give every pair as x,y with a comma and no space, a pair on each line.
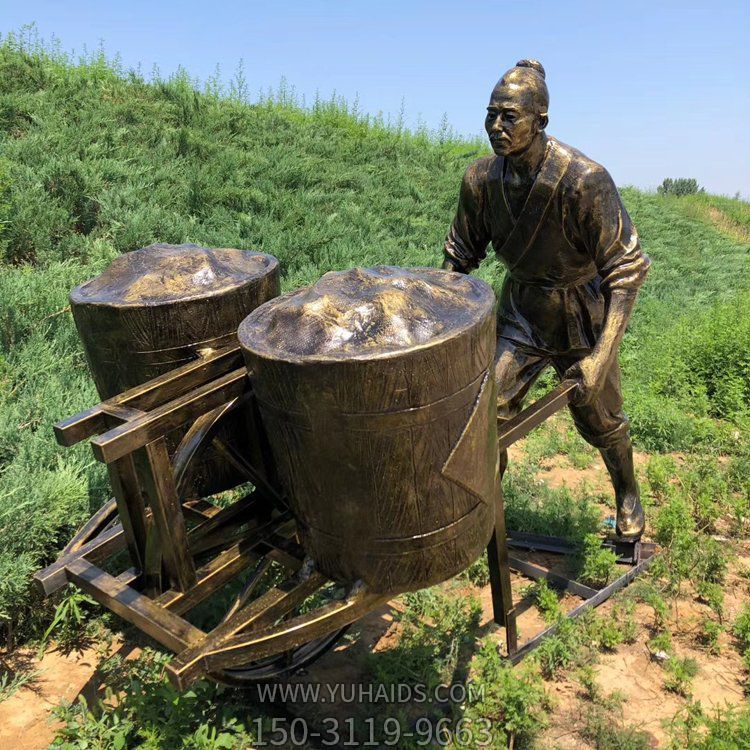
650,89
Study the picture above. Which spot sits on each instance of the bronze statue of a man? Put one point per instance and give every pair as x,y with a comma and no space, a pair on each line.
574,267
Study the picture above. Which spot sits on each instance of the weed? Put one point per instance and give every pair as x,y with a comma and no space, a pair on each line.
623,612
661,643
648,593
12,682
545,599
606,731
142,709
660,472
560,651
680,675
741,629
712,594
597,564
586,677
604,632
709,635
726,727
428,653
478,572
514,699
68,622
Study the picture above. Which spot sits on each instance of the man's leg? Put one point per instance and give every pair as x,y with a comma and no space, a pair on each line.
604,425
516,369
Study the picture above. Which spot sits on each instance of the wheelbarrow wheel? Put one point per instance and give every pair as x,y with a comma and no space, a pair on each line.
205,432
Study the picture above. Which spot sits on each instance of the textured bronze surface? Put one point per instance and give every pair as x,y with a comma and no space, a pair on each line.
376,391
160,307
574,267
156,308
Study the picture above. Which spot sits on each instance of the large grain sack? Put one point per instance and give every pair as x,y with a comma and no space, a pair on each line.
154,309
376,391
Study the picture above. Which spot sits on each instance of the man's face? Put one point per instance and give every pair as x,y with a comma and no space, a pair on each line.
512,121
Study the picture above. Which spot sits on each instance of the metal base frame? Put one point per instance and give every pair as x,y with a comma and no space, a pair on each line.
636,554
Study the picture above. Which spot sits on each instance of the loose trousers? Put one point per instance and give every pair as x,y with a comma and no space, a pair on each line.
601,423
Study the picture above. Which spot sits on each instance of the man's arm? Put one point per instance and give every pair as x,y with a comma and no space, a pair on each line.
466,243
605,228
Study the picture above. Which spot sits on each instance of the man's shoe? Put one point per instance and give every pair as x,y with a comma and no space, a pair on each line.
631,520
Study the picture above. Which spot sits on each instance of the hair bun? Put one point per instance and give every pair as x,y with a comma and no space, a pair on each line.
533,64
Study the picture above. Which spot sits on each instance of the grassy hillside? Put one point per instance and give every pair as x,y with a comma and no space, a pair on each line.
95,161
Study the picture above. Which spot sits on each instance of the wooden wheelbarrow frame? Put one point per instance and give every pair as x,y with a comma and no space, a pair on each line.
164,530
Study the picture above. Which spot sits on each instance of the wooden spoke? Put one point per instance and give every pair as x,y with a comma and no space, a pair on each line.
192,445
96,524
226,653
263,566
273,604
252,474
213,575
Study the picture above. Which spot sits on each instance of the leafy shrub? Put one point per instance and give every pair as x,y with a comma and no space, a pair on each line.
605,633
647,592
560,651
514,699
680,186
712,594
680,675
726,727
710,633
142,709
478,572
660,472
545,599
623,612
661,642
597,563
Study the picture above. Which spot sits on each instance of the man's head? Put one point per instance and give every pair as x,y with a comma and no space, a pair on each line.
517,111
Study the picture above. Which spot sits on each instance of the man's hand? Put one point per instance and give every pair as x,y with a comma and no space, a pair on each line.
450,265
590,372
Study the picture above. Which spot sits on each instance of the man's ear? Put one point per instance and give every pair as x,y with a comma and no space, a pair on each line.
543,121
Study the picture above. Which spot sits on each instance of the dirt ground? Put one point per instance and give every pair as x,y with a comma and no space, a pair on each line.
26,722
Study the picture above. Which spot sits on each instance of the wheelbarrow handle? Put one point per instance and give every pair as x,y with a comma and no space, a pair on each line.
531,417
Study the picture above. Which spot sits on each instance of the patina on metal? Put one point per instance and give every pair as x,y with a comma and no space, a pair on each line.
160,307
375,388
154,309
398,397
574,266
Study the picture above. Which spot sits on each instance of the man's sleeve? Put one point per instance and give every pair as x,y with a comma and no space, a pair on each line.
466,243
604,227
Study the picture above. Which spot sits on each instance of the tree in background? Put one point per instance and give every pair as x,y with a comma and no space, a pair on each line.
680,186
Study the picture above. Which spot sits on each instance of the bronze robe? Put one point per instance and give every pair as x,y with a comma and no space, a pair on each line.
571,244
